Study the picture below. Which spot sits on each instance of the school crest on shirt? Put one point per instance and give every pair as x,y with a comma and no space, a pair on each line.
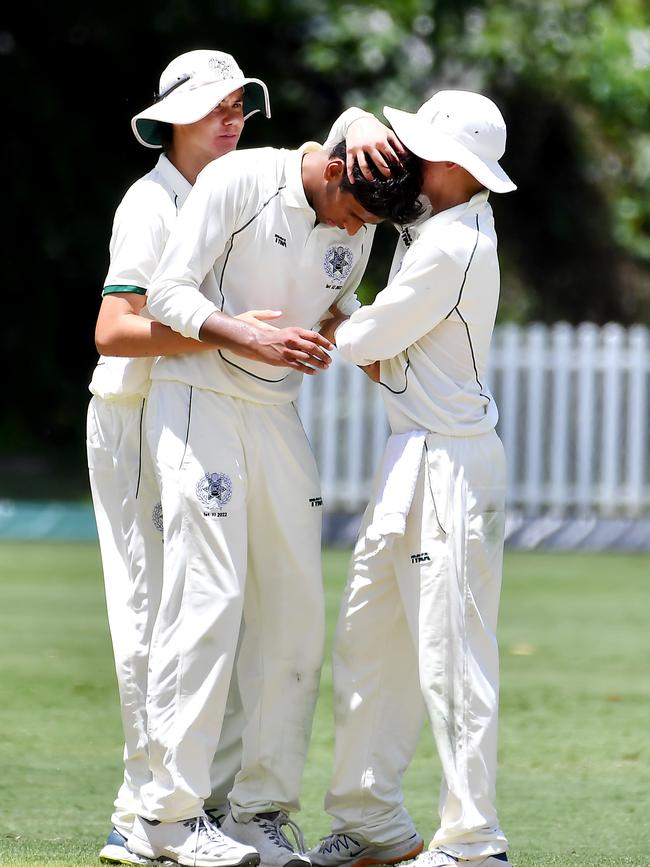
214,490
338,262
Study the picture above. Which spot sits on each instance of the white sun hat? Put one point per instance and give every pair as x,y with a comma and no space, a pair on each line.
460,127
190,87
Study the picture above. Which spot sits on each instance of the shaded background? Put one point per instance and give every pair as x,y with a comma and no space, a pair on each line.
572,78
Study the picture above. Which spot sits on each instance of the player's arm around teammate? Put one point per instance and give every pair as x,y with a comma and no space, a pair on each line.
198,116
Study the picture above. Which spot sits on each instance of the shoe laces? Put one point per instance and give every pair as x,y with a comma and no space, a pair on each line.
272,825
202,826
436,858
338,842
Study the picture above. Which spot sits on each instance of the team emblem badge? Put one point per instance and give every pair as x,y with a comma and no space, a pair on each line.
222,68
157,517
338,262
214,489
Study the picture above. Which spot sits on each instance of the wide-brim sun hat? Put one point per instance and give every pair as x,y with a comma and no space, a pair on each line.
191,86
461,127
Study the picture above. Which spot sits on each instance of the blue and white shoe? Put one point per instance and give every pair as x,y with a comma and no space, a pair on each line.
115,852
352,850
438,858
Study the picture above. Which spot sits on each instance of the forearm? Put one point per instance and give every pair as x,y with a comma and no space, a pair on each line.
134,336
121,330
226,332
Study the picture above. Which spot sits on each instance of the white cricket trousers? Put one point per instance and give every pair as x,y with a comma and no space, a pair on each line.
418,622
125,496
126,501
242,524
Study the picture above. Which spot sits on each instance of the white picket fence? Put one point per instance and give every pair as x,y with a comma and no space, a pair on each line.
574,419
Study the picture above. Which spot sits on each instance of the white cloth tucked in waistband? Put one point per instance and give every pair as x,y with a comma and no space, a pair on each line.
399,473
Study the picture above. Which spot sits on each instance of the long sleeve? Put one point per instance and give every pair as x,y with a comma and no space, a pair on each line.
207,221
421,294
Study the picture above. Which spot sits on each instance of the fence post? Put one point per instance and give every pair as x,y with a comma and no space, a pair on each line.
535,371
637,420
509,341
560,361
585,418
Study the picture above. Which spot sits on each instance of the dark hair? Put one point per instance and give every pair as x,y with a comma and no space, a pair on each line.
393,198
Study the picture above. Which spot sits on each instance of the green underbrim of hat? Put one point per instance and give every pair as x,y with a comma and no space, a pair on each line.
150,130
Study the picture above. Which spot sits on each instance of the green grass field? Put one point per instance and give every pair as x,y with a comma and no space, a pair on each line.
574,785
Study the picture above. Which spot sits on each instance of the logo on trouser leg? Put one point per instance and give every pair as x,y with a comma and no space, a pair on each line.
157,517
214,490
420,558
315,501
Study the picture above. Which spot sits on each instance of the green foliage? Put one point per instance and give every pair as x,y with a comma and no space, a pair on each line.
595,59
574,770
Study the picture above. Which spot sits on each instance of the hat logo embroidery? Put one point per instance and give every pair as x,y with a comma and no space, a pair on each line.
222,69
338,262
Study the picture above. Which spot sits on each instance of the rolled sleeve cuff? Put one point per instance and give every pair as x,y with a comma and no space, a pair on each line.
345,343
207,308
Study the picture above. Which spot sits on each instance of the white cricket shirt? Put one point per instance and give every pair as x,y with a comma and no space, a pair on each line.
142,223
431,326
247,239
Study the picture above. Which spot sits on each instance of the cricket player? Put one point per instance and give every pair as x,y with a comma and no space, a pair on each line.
241,501
426,569
197,117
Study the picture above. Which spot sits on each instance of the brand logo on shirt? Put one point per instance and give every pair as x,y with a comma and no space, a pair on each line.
315,501
407,238
214,490
280,240
338,262
420,558
157,517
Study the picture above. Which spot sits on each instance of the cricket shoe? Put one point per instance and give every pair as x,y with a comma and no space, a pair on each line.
438,858
351,850
193,842
265,832
116,852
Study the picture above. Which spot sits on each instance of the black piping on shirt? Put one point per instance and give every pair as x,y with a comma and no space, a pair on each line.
460,316
406,378
187,430
137,486
223,298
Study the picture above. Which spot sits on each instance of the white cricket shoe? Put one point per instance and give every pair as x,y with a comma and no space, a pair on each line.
115,851
438,858
193,842
264,832
352,850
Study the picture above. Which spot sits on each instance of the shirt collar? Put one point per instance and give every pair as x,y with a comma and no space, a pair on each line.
295,192
178,183
444,218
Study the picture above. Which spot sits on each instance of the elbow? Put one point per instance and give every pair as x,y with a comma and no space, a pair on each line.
107,341
102,341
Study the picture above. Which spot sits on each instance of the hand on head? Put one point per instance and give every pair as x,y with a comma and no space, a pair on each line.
368,137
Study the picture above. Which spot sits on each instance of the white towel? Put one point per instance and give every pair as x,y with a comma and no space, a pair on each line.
399,473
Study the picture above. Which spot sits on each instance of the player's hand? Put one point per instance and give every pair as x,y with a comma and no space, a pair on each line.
371,370
369,137
260,318
293,347
329,326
